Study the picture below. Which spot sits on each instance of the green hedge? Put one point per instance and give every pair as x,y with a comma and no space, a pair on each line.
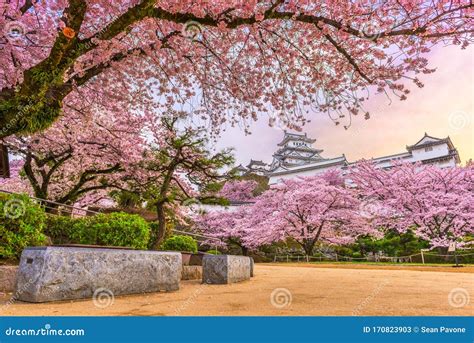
21,225
214,252
113,229
181,243
154,231
59,229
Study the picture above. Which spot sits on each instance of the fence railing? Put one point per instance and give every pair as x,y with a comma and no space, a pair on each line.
59,209
422,257
56,207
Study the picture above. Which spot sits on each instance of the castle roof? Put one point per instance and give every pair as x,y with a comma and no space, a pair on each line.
428,140
256,163
240,167
330,162
295,136
424,142
298,149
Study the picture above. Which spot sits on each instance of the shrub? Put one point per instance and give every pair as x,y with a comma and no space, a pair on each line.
214,252
115,229
181,243
21,225
154,232
59,228
357,255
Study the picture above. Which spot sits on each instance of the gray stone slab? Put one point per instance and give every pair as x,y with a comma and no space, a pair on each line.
223,269
8,278
60,273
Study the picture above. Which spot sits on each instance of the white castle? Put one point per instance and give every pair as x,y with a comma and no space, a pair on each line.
296,156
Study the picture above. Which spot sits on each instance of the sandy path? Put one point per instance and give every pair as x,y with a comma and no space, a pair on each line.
314,291
382,266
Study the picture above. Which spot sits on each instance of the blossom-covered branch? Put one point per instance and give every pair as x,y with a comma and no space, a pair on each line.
227,60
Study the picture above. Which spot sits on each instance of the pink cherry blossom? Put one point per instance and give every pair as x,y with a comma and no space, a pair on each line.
229,61
308,210
238,190
82,156
438,204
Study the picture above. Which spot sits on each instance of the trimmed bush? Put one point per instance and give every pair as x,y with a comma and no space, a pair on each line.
181,243
119,229
113,229
154,232
21,225
59,228
214,252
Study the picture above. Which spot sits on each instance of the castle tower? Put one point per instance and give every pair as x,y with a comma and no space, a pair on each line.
296,150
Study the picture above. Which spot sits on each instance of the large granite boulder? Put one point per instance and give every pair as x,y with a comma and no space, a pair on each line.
60,273
223,269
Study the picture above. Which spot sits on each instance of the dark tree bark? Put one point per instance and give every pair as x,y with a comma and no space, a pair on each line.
161,231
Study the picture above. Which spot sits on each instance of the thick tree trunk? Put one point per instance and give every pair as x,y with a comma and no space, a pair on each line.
159,235
308,251
308,246
32,112
245,250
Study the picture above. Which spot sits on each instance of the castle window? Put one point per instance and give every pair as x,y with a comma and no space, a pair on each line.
429,148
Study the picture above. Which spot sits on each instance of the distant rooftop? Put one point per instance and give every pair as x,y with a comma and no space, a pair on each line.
295,136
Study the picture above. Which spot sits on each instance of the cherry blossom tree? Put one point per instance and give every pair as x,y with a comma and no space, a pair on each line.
224,227
15,183
177,169
238,190
309,210
437,204
81,157
228,60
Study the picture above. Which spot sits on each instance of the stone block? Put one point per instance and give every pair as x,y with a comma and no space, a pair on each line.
191,273
185,258
61,273
8,278
196,259
223,269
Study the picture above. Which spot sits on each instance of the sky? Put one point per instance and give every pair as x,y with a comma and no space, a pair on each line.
443,107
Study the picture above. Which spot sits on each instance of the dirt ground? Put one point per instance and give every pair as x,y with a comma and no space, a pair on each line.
293,290
384,266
